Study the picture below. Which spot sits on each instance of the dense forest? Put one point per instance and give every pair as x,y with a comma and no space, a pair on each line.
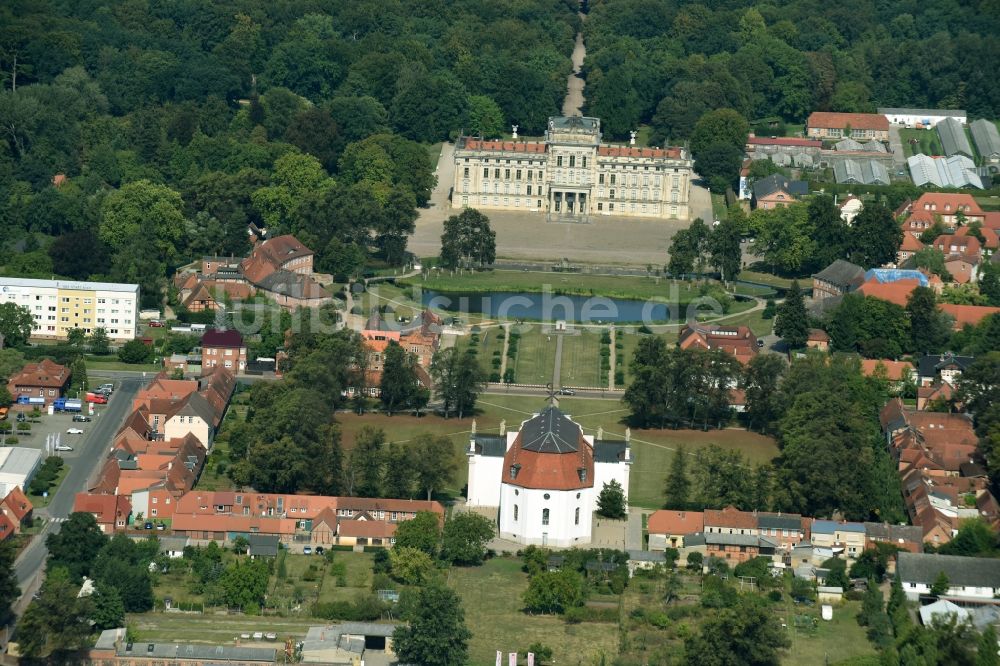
667,63
173,124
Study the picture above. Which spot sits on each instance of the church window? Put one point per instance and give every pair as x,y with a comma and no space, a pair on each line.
577,515
545,516
547,496
515,513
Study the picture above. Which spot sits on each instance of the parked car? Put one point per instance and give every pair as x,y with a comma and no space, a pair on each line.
156,324
63,447
760,344
147,526
21,417
106,387
566,391
307,551
161,526
320,550
80,418
97,398
74,431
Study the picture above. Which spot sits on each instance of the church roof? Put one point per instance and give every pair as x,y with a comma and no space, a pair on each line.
550,432
550,453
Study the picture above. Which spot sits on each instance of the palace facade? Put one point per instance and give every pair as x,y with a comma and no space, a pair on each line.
571,173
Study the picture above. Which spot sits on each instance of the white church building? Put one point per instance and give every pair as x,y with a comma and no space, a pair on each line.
545,478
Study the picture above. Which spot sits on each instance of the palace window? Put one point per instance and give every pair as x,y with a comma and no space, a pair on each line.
466,172
519,174
545,516
496,173
676,182
673,197
600,179
612,179
559,161
572,161
529,190
584,162
486,173
506,174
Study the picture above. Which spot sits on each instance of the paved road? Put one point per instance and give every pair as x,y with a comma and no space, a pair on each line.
90,452
700,202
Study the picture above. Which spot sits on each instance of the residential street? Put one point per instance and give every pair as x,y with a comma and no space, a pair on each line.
90,452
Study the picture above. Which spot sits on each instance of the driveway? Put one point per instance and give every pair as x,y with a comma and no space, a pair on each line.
700,203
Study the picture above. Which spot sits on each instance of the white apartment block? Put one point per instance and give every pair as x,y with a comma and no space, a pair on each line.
572,174
59,306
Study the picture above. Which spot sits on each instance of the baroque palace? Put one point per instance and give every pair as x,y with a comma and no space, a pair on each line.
571,174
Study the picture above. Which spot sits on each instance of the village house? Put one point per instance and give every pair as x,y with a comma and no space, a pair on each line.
818,339
730,521
788,530
736,548
990,242
667,529
896,372
840,538
776,191
946,367
17,508
223,348
112,512
936,392
737,341
967,315
45,379
839,278
834,126
908,248
948,206
969,578
905,537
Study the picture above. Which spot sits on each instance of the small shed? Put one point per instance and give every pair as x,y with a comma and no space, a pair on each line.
830,595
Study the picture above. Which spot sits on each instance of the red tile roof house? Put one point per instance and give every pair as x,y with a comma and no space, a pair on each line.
958,244
967,315
730,521
737,341
963,268
45,379
909,247
7,529
991,240
225,349
895,292
948,206
834,126
282,267
111,511
667,528
896,372
17,507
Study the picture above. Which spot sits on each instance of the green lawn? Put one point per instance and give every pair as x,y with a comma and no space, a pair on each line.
95,366
586,285
535,357
216,629
491,598
928,142
719,208
834,641
766,278
653,451
581,360
755,320
358,577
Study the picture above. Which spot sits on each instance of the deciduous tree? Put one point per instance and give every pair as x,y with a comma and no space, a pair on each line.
465,538
792,323
16,323
435,633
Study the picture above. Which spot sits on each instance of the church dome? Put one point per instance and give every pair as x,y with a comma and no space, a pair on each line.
550,453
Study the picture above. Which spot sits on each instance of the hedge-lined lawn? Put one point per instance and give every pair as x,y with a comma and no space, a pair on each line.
491,598
581,360
536,353
357,578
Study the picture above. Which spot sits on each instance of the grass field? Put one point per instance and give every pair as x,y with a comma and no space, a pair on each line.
581,360
94,367
755,320
766,278
612,286
833,641
535,360
719,207
928,142
217,629
491,597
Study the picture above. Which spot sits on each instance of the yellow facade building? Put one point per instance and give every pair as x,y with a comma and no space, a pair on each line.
58,306
572,174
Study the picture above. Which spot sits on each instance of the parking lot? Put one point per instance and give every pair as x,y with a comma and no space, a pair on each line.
58,423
